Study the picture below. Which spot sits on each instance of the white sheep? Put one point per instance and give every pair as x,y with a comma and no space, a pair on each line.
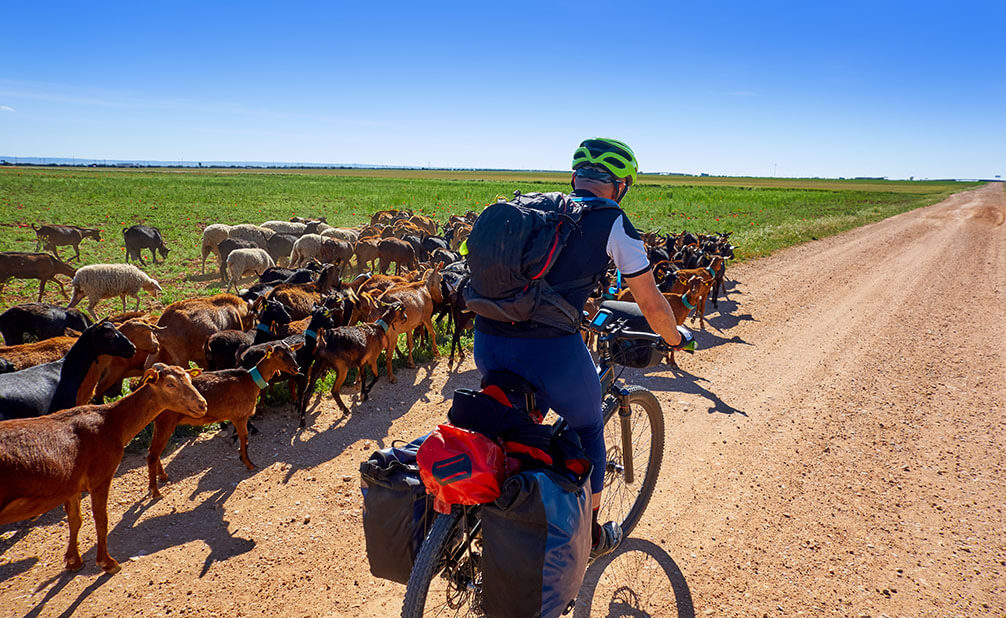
285,227
243,261
252,233
212,236
307,247
100,281
342,233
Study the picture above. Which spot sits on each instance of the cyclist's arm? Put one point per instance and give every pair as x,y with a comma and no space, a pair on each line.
654,306
626,249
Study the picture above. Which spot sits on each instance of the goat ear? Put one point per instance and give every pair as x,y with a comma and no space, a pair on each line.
269,351
296,346
258,303
149,376
195,372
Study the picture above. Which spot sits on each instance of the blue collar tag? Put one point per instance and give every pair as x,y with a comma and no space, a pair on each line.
310,334
383,325
711,271
684,301
259,382
264,328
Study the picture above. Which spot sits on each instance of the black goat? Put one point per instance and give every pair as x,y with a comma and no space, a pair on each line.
223,348
38,321
139,237
51,387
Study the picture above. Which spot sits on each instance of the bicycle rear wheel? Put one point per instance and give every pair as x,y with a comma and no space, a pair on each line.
446,579
635,449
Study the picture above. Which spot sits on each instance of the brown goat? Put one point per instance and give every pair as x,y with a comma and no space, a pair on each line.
109,371
41,266
52,459
366,252
300,298
188,323
52,236
418,299
105,371
230,396
398,251
359,346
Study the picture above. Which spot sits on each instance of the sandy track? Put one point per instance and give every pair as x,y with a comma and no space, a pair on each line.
836,448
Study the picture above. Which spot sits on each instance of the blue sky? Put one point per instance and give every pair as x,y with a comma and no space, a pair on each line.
894,89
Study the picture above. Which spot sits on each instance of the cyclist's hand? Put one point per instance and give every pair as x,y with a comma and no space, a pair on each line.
687,340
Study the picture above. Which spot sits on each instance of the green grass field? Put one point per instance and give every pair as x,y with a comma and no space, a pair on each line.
765,214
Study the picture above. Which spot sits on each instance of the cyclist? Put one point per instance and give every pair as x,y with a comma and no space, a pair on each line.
559,364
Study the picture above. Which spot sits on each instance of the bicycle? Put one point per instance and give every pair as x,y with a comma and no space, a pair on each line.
446,577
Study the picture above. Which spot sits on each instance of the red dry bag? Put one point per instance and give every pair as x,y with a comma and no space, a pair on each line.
458,466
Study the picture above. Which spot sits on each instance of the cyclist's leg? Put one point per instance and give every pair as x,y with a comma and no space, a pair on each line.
563,371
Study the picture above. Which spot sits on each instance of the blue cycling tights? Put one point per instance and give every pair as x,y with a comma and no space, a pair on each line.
563,372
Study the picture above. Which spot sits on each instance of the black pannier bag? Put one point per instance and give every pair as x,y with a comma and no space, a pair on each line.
535,545
397,513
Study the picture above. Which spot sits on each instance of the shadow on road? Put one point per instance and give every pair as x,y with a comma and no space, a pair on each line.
637,579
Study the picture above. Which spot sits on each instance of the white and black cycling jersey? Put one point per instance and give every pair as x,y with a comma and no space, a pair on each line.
602,236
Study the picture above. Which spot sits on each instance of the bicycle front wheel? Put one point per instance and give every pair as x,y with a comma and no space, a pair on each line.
446,579
635,449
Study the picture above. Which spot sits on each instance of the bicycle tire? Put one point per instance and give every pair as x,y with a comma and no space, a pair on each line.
429,563
621,502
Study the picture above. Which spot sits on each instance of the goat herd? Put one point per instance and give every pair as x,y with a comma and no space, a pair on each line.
57,436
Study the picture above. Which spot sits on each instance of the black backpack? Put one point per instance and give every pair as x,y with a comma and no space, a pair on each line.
512,247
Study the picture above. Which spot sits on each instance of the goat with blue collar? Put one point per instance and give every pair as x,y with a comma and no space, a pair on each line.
230,395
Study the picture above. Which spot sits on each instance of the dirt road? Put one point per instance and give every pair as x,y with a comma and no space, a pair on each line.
835,448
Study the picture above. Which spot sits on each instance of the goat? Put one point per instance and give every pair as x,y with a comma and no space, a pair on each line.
462,319
188,323
418,299
38,321
49,387
299,298
223,348
52,236
41,266
359,346
51,460
230,395
366,252
398,251
106,375
139,237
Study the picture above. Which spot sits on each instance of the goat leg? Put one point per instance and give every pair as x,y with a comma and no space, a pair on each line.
164,426
99,509
340,378
71,560
364,389
241,425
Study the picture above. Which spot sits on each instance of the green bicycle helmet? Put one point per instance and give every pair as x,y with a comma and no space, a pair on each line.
609,154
